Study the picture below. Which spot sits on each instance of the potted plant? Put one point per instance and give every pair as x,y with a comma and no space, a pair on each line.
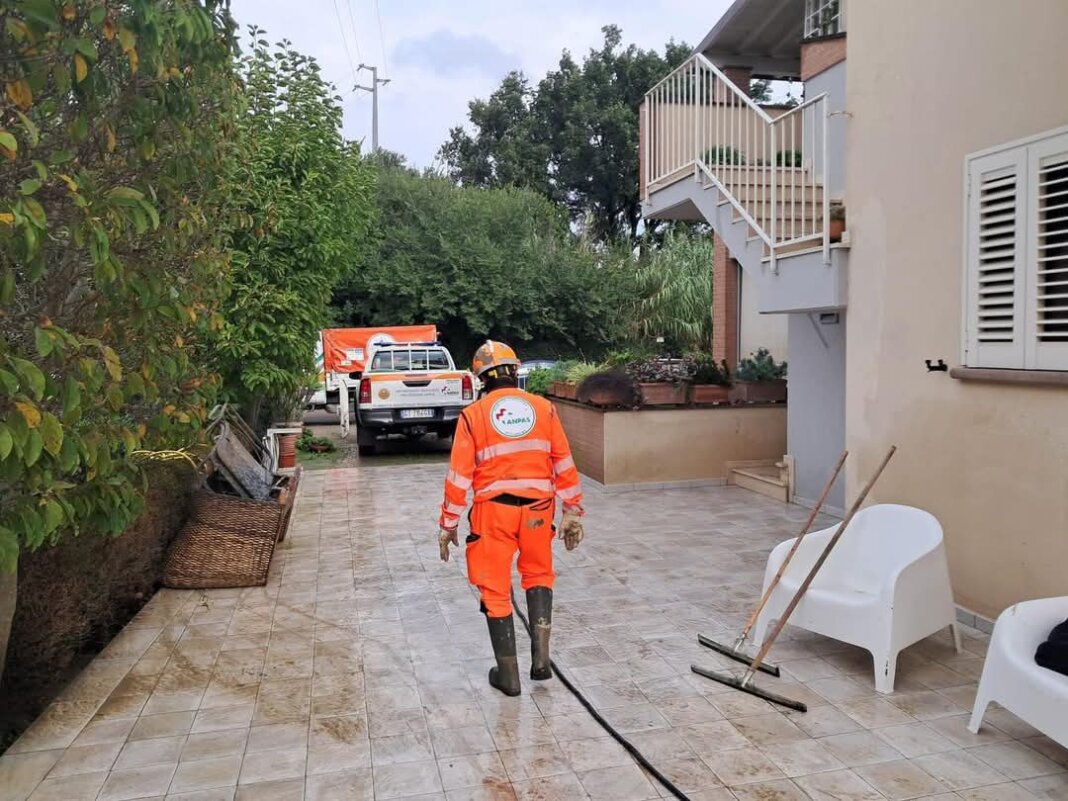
289,414
556,379
711,381
837,216
759,379
663,381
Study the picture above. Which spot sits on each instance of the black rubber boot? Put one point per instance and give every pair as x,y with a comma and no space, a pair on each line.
540,613
505,677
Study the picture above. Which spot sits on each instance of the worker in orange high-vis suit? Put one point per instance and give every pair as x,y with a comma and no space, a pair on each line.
511,451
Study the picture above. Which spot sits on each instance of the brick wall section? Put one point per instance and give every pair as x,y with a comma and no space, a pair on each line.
739,76
821,55
724,305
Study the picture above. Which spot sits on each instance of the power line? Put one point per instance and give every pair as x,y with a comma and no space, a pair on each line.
381,38
345,41
355,36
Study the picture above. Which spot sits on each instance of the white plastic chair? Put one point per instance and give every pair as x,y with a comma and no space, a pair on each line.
884,587
1012,678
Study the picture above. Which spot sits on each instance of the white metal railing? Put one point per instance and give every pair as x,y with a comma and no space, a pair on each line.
770,163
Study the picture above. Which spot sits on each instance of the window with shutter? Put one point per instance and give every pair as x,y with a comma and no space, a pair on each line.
1016,283
995,260
1048,320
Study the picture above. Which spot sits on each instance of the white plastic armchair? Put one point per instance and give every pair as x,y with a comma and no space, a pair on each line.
1012,678
884,587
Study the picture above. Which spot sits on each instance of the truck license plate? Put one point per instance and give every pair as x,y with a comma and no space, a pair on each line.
416,414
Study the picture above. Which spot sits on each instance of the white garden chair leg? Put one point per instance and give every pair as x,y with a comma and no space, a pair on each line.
885,671
955,628
978,713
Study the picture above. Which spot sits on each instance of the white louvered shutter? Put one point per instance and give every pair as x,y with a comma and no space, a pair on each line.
996,242
1047,235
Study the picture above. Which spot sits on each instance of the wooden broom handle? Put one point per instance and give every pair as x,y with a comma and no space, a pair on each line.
759,658
797,544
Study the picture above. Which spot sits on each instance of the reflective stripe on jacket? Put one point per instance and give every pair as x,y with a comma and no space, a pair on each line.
509,442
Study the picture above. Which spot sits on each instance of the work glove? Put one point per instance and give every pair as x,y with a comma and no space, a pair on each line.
445,536
571,530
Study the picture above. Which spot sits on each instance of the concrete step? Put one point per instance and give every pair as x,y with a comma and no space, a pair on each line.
750,195
766,480
732,175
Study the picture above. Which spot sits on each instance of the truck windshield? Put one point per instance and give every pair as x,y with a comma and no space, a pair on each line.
409,360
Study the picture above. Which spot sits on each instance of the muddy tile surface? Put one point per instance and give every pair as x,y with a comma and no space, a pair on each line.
359,672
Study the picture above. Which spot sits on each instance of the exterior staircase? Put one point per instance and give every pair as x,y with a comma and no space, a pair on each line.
709,152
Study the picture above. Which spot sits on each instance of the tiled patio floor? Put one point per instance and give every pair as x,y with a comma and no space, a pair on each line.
359,673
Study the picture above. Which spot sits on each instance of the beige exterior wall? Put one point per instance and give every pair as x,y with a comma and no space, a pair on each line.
929,83
657,445
757,330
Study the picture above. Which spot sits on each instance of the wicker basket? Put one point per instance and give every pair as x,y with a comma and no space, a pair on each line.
227,542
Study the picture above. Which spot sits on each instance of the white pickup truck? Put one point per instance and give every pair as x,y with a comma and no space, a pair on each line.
411,389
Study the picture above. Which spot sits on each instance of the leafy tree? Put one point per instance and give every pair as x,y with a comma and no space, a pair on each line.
675,293
308,196
481,263
117,132
573,138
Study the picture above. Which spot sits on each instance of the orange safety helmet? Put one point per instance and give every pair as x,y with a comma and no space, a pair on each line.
492,355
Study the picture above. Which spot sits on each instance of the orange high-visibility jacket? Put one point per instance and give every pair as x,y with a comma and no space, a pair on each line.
509,442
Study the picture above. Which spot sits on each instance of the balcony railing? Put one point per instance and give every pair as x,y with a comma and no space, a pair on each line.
769,162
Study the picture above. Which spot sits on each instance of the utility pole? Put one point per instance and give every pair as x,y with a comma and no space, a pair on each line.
373,89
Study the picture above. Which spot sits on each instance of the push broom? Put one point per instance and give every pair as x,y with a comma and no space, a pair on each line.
745,683
736,651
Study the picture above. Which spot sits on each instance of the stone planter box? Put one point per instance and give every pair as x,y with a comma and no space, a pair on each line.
662,445
704,394
664,394
773,391
562,389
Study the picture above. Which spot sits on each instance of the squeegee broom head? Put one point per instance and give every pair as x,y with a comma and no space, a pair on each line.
733,653
752,689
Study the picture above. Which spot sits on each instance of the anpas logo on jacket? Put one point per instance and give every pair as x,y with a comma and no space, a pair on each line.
513,417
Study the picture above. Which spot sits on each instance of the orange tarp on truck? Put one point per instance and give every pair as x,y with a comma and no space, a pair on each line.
345,350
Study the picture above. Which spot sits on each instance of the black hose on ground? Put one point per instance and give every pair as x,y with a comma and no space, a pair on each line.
619,738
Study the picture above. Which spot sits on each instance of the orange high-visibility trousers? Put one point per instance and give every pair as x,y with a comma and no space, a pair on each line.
498,530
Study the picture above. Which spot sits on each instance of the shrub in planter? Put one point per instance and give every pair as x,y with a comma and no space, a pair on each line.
663,382
724,155
539,381
622,359
711,380
837,222
759,379
571,374
609,389
556,379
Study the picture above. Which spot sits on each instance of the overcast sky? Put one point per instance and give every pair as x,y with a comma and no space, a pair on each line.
440,54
